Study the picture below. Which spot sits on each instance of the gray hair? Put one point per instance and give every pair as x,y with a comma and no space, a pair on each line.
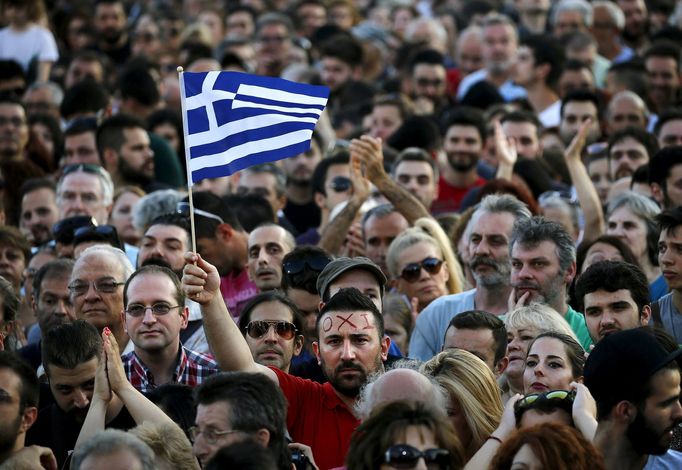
154,204
641,206
275,18
616,14
496,203
381,211
105,181
630,95
555,201
110,441
496,19
56,92
535,230
108,250
274,170
581,6
434,26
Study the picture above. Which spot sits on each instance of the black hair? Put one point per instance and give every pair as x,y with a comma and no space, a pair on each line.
351,299
59,268
177,220
661,164
137,83
522,116
245,455
85,97
480,320
34,184
466,116
270,296
669,219
547,50
30,388
205,227
640,135
343,47
251,210
624,250
670,114
176,400
110,132
582,96
425,56
663,48
416,131
319,177
70,344
612,276
306,279
10,69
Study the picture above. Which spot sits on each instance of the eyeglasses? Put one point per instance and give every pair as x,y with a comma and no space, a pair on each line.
259,328
404,456
158,309
183,209
63,230
210,435
536,398
315,263
412,271
341,184
103,286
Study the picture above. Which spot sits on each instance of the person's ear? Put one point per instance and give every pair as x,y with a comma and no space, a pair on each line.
298,344
316,351
657,193
501,366
262,437
319,199
570,273
624,412
385,345
224,232
184,313
123,320
645,316
28,418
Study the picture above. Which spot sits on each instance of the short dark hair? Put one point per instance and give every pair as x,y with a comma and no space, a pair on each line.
480,320
205,227
59,268
663,48
30,387
251,210
71,344
85,97
176,400
156,269
617,243
522,117
469,117
661,163
612,276
81,126
425,56
307,279
110,132
10,69
34,184
11,236
670,114
582,96
137,83
351,299
532,231
669,219
270,296
177,220
416,154
640,135
255,403
320,174
547,50
416,131
343,47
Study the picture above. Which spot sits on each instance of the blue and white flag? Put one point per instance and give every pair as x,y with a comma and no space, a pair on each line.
235,120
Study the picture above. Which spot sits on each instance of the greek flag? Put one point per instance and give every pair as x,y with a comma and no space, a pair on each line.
235,120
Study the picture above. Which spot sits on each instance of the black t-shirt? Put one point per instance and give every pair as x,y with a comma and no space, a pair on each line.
59,431
303,217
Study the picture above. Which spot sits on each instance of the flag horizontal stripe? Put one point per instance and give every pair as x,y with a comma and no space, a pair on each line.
233,81
250,160
267,143
252,135
280,95
225,114
236,104
268,101
245,124
197,101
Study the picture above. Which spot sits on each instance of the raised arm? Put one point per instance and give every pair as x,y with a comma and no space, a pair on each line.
368,150
505,148
201,283
587,194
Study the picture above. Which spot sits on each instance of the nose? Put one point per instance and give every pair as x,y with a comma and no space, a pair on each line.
198,448
149,317
80,399
606,318
262,258
348,352
539,369
271,335
91,292
677,412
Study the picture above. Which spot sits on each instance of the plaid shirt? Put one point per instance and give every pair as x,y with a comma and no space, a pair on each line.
192,369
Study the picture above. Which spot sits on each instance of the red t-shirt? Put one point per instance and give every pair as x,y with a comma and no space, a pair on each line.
318,418
450,197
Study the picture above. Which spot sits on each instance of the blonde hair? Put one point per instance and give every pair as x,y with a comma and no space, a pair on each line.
426,230
539,317
168,443
470,381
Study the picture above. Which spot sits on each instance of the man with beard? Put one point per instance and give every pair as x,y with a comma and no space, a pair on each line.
487,235
665,177
576,107
154,315
500,42
19,406
111,29
268,244
614,296
71,354
463,143
164,244
38,210
542,267
351,346
123,145
629,149
636,385
636,28
301,209
662,63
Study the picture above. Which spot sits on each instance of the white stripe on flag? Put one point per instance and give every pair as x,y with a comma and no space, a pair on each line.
279,95
284,109
248,148
204,99
255,122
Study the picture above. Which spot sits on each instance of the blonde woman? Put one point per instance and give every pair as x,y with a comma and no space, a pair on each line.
171,447
523,325
475,407
420,267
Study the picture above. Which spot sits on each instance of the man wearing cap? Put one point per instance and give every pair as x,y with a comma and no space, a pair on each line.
636,385
614,296
351,346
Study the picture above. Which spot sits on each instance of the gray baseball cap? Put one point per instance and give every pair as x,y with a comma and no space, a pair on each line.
344,264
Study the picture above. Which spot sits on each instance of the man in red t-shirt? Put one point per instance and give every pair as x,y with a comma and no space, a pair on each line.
462,143
351,346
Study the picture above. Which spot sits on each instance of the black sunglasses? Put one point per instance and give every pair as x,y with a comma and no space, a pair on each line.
258,328
404,456
314,263
341,184
84,167
64,230
412,271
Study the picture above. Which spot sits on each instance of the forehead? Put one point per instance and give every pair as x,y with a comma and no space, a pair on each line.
352,322
135,134
81,373
93,266
272,311
624,213
157,286
492,223
624,105
41,195
602,297
81,181
11,109
544,249
673,126
498,31
600,247
9,381
269,234
462,131
429,70
385,109
548,347
580,107
408,167
341,169
512,129
417,252
87,137
249,179
628,143
214,414
167,232
672,234
388,226
273,28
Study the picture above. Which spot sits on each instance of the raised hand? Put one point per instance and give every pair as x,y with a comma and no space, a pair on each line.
505,147
361,187
200,279
102,386
575,148
368,150
115,372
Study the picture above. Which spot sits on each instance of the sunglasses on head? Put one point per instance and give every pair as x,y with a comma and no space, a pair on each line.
534,399
84,167
405,456
412,271
341,184
259,328
183,209
315,263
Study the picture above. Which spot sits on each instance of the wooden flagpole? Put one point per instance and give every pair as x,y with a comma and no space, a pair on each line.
189,171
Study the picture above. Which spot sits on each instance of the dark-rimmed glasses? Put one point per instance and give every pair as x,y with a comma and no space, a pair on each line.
412,271
406,456
259,328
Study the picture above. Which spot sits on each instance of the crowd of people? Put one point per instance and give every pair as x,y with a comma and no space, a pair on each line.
476,265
